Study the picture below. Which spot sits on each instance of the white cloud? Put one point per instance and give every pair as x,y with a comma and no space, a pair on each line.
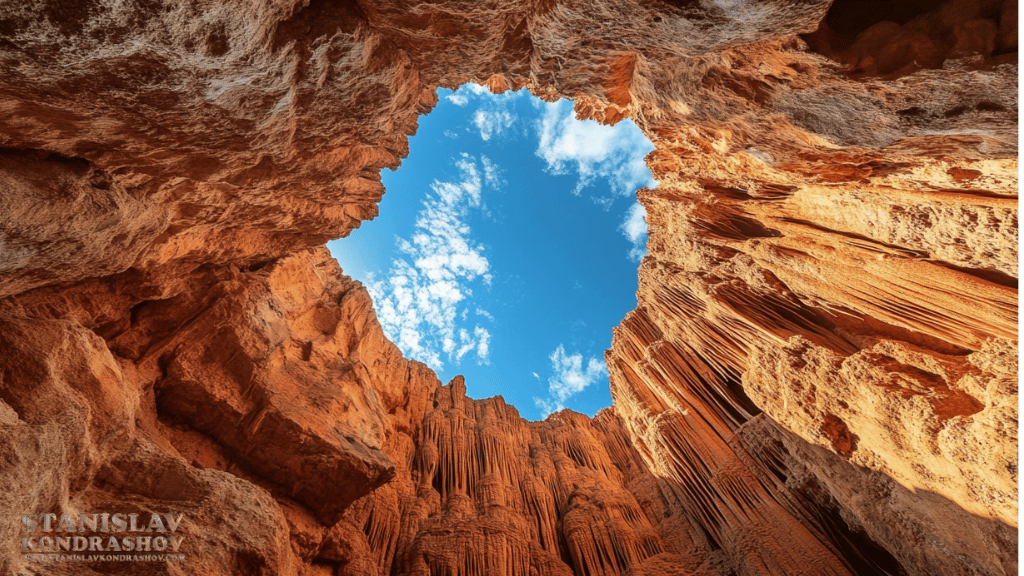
571,376
475,89
493,114
419,301
634,228
459,100
491,173
612,153
547,406
492,122
483,341
466,344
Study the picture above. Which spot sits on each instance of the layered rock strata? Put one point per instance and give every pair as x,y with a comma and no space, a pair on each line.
819,378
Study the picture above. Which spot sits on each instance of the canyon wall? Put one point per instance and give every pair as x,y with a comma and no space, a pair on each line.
820,376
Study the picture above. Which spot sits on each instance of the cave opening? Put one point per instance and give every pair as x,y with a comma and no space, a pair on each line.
507,247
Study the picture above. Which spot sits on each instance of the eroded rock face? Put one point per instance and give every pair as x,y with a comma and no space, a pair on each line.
487,492
820,376
280,419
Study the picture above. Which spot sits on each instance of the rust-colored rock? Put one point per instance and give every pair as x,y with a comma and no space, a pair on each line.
820,376
487,492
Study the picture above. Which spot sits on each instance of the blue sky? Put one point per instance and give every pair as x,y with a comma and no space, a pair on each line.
507,246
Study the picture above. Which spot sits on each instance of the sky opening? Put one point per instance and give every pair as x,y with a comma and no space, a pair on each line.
507,247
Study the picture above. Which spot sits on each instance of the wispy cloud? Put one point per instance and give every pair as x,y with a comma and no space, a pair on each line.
493,114
483,342
571,375
593,151
474,89
458,99
492,122
492,174
419,302
634,228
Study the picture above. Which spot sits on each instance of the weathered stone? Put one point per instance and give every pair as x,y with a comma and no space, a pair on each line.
820,376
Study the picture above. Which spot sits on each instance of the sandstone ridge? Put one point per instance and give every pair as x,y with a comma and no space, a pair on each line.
820,376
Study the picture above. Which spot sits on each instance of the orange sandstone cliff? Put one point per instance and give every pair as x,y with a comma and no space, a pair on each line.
820,376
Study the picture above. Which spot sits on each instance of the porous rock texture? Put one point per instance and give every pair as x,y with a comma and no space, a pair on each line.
820,376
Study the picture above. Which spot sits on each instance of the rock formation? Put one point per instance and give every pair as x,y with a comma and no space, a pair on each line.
820,376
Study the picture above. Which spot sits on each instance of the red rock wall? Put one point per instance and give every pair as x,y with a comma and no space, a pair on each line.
820,376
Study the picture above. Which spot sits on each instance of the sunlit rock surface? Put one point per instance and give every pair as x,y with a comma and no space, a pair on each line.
820,376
